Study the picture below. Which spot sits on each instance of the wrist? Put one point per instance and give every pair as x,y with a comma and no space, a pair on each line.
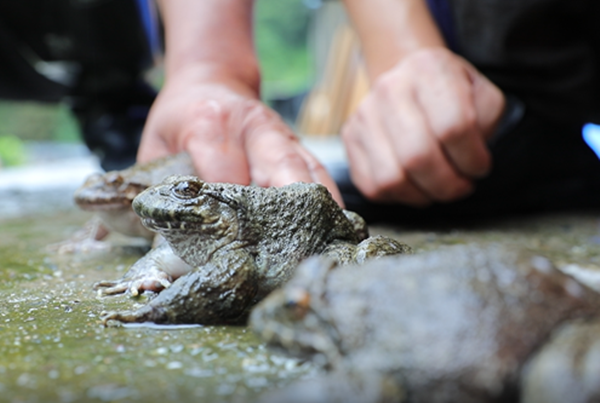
391,30
244,82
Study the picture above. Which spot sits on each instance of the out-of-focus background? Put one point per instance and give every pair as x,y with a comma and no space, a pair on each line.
41,147
282,28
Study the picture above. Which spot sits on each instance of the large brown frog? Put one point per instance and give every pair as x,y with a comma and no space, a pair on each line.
455,325
240,242
110,195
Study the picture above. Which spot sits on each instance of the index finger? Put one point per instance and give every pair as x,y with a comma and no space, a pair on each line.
218,155
276,158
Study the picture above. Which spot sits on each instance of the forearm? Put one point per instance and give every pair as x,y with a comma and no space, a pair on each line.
211,40
391,29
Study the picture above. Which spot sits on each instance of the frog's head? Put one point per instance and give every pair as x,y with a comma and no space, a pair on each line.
109,191
191,214
295,317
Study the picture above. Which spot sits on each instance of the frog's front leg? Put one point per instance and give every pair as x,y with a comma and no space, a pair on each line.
220,292
153,272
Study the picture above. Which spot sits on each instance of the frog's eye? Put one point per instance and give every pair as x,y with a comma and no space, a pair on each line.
187,189
297,302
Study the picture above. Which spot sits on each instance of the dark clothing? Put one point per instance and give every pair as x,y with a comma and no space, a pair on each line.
544,53
90,54
539,166
104,41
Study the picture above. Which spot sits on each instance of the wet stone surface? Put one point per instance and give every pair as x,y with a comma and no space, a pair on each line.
53,347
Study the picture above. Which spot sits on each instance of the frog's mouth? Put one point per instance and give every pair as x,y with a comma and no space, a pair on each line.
294,326
158,225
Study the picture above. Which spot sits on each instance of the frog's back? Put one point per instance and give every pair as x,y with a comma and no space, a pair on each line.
292,223
466,316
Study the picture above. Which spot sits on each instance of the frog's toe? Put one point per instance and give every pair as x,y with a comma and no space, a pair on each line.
124,316
155,284
110,287
144,314
114,316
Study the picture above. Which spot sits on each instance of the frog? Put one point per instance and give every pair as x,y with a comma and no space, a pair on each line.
109,195
458,324
240,243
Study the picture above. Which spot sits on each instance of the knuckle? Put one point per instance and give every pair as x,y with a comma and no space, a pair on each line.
354,126
255,114
255,118
255,111
460,127
209,110
289,159
386,85
369,191
385,184
205,120
417,161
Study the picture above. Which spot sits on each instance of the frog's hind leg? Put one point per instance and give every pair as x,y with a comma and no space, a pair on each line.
209,295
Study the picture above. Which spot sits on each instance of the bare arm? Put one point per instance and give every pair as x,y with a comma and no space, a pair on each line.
419,136
211,39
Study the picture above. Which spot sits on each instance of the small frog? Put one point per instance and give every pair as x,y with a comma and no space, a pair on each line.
110,195
240,242
454,325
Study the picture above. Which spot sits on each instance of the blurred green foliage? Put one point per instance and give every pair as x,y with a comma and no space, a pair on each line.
32,121
12,151
281,28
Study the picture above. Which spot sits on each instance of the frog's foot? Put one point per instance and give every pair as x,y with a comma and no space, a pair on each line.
86,240
359,224
210,295
155,281
378,246
155,271
144,314
373,247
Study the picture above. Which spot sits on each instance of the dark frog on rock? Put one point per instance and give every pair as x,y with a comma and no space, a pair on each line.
240,242
461,324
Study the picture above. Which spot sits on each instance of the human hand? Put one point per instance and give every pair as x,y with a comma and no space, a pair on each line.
420,135
230,135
